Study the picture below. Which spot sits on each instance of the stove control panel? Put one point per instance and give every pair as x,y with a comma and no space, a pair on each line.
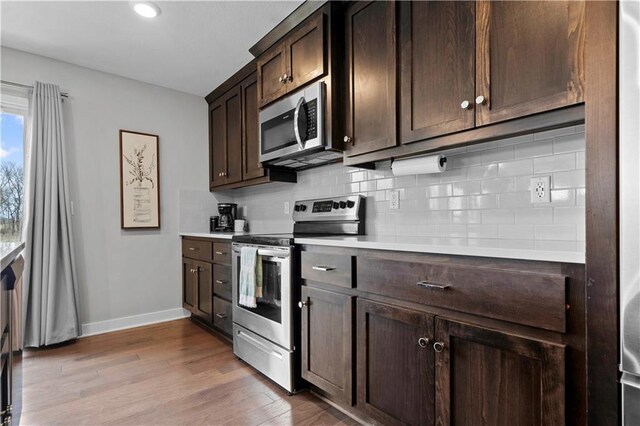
347,208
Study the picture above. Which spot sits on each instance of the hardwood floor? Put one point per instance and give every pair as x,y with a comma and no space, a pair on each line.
170,373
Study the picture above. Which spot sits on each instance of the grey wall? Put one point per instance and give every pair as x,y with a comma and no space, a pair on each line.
122,273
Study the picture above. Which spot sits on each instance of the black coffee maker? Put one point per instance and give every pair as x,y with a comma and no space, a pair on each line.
228,212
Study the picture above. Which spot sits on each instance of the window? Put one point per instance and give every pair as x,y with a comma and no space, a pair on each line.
13,120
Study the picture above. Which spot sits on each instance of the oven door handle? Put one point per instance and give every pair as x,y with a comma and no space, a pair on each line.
272,253
296,122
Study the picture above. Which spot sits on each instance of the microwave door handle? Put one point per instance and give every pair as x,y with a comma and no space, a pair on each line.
296,117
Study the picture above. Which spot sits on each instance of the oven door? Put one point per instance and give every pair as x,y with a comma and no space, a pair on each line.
272,317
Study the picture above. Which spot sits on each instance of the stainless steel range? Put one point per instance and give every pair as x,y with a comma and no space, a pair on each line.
267,336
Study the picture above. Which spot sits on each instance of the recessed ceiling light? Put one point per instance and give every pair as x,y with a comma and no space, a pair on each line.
146,9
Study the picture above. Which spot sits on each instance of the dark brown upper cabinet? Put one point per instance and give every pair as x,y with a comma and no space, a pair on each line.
225,139
371,77
234,140
251,167
395,364
529,57
437,69
327,345
500,378
295,61
461,66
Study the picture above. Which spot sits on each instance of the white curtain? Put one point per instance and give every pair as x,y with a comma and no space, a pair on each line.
50,293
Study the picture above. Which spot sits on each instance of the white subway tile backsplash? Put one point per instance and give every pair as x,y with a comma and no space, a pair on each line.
482,200
555,163
516,168
569,143
542,216
504,153
443,190
570,179
499,185
534,149
515,232
467,188
555,232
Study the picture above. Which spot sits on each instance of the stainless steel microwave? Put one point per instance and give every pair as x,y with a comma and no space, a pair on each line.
293,127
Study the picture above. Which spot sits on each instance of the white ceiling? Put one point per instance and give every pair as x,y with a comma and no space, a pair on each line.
193,46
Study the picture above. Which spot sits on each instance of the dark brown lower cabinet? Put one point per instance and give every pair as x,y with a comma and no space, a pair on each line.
197,288
395,377
494,378
188,285
327,342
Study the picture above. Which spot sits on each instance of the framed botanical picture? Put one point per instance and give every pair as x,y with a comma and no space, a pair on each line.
139,180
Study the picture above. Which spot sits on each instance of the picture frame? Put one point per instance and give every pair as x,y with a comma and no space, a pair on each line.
139,180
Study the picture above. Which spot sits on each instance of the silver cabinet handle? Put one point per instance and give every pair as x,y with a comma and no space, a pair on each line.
221,282
346,139
438,346
465,104
193,248
323,268
193,270
302,304
221,315
423,342
480,100
285,78
435,286
220,253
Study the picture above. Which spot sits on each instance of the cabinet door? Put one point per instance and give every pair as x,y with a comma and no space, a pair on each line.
233,105
489,377
371,73
251,167
204,290
395,364
327,343
272,66
306,52
188,285
529,57
217,143
437,70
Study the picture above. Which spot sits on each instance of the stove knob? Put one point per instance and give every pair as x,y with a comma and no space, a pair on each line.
297,207
350,204
303,207
343,204
336,205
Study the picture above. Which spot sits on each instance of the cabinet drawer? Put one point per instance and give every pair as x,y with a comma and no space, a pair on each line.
222,281
196,249
328,268
222,253
538,300
222,315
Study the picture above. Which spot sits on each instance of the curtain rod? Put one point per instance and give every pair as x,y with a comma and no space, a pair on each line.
26,86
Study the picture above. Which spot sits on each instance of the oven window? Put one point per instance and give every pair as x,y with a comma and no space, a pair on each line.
277,133
270,304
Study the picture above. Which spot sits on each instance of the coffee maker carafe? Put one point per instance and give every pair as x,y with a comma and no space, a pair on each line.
227,213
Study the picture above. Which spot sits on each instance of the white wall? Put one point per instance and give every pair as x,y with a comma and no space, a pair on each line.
122,273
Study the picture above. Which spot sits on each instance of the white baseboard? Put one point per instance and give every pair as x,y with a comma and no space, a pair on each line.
115,324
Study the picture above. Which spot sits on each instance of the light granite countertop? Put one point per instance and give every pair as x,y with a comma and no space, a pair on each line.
8,252
218,235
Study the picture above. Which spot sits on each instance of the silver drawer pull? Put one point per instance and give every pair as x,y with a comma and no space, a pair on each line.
436,286
220,282
193,248
323,268
221,316
220,253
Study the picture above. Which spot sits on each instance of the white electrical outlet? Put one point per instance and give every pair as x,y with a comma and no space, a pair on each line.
541,189
286,207
394,200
